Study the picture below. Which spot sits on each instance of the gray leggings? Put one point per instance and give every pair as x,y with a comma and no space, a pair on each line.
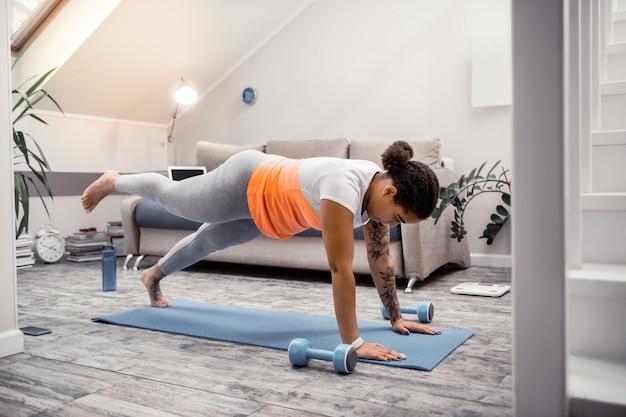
217,199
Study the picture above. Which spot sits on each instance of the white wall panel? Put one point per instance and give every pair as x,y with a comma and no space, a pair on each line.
492,74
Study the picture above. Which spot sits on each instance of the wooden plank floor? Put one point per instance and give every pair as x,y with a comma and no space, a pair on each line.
93,369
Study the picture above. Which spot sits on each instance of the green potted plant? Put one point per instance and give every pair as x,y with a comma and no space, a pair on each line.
30,167
459,194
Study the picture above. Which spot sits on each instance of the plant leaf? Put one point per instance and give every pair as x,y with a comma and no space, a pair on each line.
470,177
502,211
28,152
495,219
490,173
480,169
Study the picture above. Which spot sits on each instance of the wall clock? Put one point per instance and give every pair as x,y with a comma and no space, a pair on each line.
249,95
48,245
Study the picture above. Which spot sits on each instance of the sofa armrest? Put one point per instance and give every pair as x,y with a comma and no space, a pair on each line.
131,231
427,246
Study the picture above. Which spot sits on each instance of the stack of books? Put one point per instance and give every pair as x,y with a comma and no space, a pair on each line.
24,256
115,229
85,245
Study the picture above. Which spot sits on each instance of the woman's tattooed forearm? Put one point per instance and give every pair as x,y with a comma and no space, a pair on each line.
378,247
388,295
379,241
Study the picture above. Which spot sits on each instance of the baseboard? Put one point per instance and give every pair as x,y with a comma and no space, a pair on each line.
11,342
494,261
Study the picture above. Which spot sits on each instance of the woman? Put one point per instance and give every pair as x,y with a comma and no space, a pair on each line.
254,194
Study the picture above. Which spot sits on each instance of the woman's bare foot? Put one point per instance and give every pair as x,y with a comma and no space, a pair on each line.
99,189
151,278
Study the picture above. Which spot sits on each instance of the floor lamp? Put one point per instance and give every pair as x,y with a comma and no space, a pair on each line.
185,95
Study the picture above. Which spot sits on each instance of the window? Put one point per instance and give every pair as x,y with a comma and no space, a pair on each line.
27,16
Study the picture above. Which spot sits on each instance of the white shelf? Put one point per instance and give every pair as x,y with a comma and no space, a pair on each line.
604,201
609,138
599,280
596,387
616,48
613,88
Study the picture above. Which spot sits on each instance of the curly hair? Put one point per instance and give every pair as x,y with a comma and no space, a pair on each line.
417,184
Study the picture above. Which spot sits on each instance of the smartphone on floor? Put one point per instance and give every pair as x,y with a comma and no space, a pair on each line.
34,330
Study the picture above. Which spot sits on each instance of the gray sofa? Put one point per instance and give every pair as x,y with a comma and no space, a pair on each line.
417,249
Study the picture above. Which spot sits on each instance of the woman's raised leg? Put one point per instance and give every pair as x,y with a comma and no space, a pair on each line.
218,196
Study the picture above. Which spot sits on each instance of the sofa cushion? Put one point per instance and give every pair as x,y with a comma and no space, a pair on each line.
153,215
298,149
212,155
425,149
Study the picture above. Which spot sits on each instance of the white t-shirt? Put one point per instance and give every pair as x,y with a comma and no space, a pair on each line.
344,181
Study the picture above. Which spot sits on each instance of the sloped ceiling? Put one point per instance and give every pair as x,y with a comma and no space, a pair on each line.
132,63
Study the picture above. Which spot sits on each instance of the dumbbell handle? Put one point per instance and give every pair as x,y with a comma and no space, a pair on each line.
424,315
325,355
408,310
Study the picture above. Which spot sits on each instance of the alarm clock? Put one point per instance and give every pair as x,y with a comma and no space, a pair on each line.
48,245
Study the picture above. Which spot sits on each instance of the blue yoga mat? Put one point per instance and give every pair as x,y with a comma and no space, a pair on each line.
275,329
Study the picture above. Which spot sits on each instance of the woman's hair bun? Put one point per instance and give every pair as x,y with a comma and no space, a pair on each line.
397,156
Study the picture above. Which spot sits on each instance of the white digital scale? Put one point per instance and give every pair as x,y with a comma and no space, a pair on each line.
480,288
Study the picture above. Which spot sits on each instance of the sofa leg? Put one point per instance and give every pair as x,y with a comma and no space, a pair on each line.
128,258
139,259
409,287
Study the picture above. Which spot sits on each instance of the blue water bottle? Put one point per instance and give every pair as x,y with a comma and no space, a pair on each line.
109,280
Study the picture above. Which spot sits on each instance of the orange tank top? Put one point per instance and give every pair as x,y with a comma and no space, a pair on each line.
276,202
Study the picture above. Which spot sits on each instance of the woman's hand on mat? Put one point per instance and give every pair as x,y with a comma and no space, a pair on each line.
378,352
407,327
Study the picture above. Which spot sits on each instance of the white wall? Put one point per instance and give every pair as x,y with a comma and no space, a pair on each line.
78,144
364,68
74,143
11,339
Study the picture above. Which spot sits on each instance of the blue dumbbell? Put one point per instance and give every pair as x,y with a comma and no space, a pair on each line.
344,357
424,310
